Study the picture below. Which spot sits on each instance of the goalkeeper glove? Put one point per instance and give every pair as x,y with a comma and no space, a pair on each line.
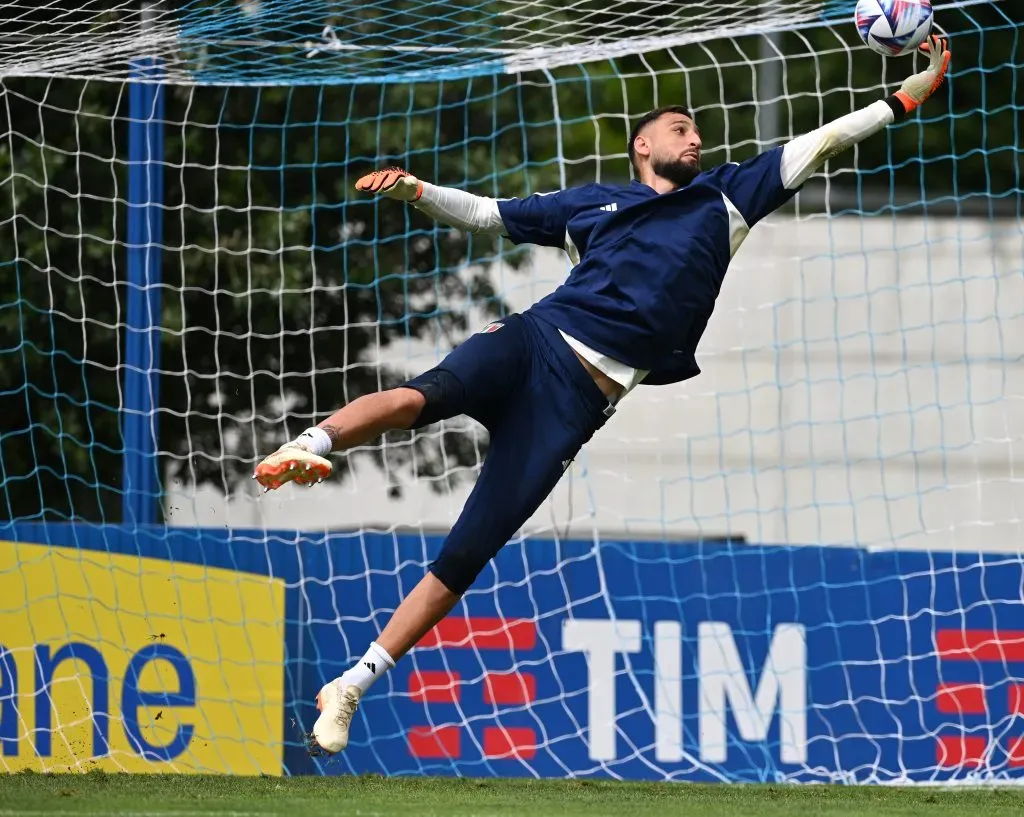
918,87
392,182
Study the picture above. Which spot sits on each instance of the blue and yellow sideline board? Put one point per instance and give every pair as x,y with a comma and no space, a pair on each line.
155,648
119,662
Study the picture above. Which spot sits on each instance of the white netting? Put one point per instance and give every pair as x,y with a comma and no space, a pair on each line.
862,391
263,41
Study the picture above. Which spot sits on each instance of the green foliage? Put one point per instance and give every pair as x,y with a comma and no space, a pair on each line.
280,285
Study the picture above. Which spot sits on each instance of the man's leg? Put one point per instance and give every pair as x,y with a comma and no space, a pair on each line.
473,379
372,415
481,378
530,447
518,474
304,460
428,603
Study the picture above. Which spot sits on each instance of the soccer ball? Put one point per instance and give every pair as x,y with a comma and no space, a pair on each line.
893,27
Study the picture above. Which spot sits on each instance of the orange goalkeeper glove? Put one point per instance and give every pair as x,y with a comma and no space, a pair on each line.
918,87
392,182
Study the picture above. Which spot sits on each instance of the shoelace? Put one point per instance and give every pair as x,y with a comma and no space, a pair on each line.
346,709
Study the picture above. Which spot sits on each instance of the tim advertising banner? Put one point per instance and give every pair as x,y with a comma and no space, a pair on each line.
203,651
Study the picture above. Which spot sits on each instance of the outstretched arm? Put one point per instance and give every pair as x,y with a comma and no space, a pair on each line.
805,154
541,218
456,208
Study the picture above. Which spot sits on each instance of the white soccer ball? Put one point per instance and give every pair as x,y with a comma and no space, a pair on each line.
893,27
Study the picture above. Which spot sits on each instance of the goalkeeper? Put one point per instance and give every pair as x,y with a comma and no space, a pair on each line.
649,262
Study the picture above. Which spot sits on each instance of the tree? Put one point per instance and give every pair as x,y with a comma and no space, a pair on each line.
279,286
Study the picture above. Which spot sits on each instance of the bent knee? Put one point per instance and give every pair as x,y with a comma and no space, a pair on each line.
439,394
457,568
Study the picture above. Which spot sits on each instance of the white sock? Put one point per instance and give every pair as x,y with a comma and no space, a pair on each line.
369,668
315,440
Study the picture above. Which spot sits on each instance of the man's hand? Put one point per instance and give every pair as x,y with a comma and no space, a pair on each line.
392,182
918,87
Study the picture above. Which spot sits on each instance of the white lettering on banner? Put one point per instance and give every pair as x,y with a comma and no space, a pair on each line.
723,679
601,641
668,691
723,686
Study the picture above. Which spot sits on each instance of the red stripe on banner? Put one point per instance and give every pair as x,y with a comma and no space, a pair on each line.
1015,695
483,633
428,741
960,699
434,687
959,750
509,688
502,743
980,645
1015,751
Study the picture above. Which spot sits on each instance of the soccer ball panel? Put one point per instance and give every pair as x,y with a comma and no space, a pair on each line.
893,27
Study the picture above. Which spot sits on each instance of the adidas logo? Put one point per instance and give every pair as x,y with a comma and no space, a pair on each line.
610,208
370,666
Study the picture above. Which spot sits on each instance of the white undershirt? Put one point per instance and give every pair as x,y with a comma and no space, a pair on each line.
626,376
800,158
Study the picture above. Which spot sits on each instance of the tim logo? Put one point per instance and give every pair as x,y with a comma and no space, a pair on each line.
491,328
476,636
978,703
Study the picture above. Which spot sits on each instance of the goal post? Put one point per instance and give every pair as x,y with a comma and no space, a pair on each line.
802,565
145,185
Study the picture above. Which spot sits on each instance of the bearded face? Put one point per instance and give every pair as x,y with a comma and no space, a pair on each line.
678,170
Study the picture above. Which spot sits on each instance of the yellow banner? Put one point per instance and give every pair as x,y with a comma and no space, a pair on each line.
116,662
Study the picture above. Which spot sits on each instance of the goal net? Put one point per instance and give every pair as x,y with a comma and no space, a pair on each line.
802,565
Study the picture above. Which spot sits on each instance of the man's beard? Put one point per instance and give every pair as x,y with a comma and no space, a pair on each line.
676,170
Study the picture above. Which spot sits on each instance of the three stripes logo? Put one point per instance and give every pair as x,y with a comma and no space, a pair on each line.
478,636
968,700
610,208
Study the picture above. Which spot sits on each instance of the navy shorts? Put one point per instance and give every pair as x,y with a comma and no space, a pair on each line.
520,380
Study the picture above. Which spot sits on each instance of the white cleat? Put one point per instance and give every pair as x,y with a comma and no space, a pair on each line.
290,463
337,706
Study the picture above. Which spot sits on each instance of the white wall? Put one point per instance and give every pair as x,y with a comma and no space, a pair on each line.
863,383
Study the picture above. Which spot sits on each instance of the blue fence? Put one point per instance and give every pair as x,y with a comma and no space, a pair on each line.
643,660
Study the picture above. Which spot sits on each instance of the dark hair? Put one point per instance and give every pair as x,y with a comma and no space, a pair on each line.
646,120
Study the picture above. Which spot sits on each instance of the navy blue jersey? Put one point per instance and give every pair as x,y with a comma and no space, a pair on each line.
648,267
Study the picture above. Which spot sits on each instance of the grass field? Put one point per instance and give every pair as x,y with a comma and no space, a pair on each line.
34,795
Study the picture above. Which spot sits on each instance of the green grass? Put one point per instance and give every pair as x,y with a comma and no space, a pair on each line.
155,796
